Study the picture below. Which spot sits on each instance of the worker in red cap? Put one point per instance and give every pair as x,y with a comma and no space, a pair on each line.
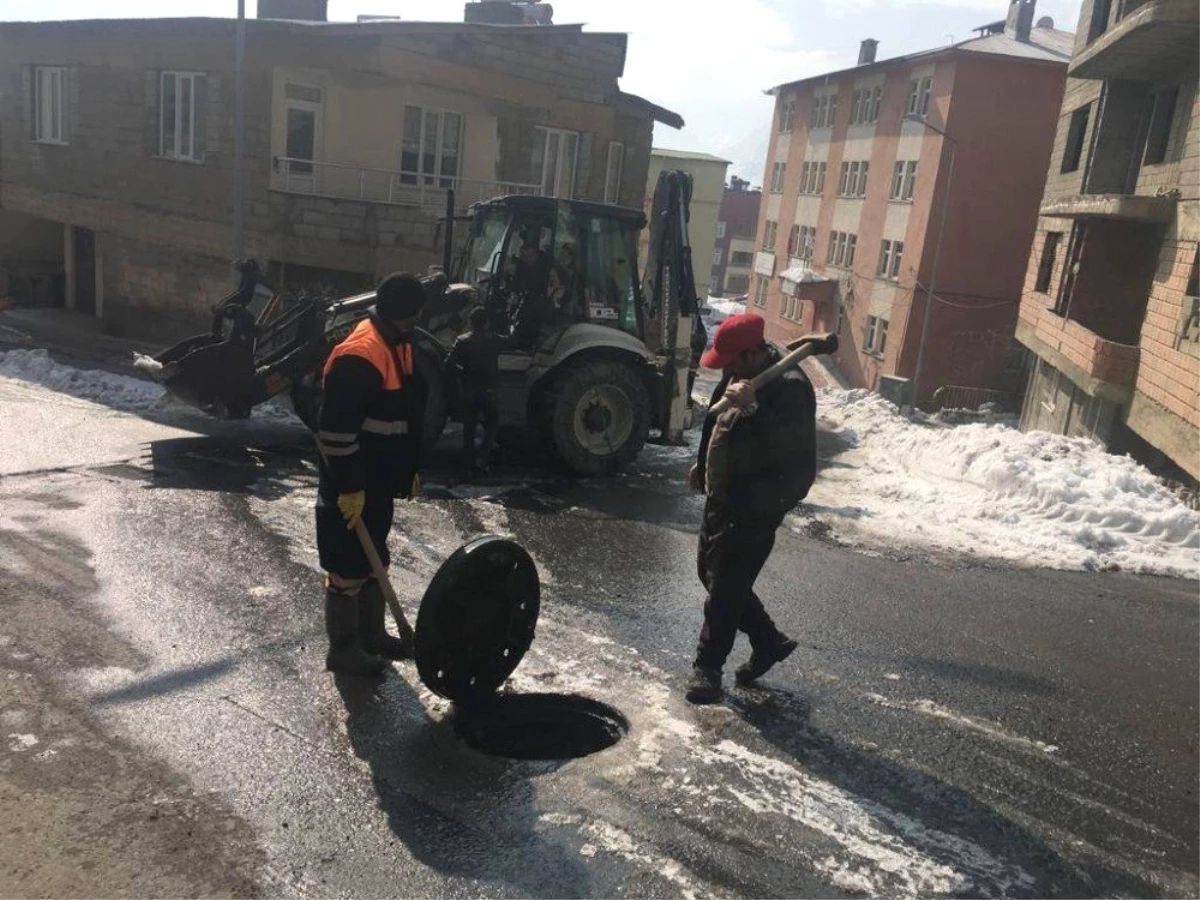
757,460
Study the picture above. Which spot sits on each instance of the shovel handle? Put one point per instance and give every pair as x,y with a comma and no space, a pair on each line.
801,349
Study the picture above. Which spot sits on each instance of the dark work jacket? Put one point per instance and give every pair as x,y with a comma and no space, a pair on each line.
477,355
772,454
371,414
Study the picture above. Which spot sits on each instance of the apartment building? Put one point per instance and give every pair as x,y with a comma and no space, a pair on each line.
733,257
872,168
116,147
708,182
1111,303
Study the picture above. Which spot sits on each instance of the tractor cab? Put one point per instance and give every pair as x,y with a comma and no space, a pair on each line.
541,266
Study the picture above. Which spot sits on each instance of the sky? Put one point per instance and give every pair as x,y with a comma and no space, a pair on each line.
708,61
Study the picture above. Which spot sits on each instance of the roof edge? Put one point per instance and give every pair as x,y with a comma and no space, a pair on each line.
660,113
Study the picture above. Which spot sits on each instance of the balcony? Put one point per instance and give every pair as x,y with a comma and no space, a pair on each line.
1149,38
1103,368
394,187
1122,207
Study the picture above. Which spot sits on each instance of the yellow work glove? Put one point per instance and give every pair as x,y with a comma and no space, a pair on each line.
352,505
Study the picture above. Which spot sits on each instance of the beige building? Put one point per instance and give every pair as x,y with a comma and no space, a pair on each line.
708,187
116,142
1111,304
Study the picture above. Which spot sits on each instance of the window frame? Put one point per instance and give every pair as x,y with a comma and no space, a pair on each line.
910,180
1161,129
547,132
787,114
197,154
1047,261
770,235
760,292
777,176
1076,139
57,77
612,186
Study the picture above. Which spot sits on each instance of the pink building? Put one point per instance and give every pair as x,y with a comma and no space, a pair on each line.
733,256
858,178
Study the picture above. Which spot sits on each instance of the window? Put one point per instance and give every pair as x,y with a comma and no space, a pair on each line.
614,171
861,189
844,179
1158,141
1101,10
720,230
1073,152
737,284
841,249
48,115
897,180
741,258
718,257
865,108
821,178
808,237
824,110
805,168
1189,331
554,159
760,292
889,259
841,318
876,337
1046,264
910,180
876,96
787,112
793,240
769,234
812,178
181,116
777,177
918,95
856,106
431,149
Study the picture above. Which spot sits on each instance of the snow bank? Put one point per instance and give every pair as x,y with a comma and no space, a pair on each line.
1032,498
121,392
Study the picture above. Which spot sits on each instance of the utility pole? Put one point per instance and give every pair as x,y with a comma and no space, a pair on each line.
937,253
239,175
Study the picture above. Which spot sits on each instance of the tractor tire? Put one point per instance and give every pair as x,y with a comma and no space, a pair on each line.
596,415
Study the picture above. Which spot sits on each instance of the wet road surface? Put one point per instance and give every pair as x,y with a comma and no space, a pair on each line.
945,728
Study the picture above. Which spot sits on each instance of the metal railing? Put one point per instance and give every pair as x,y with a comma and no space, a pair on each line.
393,186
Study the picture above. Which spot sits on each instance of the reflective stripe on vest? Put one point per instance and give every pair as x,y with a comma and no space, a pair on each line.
378,426
367,342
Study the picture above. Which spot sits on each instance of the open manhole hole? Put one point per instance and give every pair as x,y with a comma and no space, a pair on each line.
477,620
540,726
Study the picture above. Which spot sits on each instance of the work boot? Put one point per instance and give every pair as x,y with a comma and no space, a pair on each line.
705,686
760,662
341,624
372,631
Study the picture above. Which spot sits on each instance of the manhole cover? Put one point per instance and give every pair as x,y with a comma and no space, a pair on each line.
540,726
477,619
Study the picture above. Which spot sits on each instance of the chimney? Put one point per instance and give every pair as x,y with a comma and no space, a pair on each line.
508,12
866,51
293,10
1020,19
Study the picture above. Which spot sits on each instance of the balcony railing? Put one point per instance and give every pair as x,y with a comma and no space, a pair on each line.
393,186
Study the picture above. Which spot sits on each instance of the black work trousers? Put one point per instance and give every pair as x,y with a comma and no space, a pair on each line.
732,553
479,407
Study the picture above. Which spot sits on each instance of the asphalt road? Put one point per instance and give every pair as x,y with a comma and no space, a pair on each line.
945,729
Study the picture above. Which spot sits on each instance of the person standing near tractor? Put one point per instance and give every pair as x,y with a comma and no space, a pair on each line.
476,357
370,437
757,460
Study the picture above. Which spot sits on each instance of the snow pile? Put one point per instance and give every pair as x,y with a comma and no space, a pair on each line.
1033,498
121,392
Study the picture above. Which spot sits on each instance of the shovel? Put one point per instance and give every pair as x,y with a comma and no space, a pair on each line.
801,348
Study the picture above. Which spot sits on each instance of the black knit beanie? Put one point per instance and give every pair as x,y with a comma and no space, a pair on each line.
399,296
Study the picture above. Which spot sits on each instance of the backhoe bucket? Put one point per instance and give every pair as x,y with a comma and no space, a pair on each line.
210,374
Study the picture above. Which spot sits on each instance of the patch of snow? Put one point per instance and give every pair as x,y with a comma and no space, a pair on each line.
19,743
1031,498
121,392
992,730
147,364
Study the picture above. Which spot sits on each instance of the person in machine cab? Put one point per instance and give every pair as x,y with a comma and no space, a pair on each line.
530,286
